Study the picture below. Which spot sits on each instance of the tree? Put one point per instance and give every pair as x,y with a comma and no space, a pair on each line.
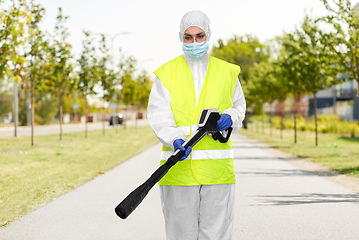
245,51
38,67
63,74
14,25
135,84
290,62
315,61
257,91
265,87
344,39
88,72
69,100
129,92
144,85
107,77
13,36
280,86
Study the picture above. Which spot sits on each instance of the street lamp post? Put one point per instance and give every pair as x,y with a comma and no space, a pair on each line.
112,44
113,47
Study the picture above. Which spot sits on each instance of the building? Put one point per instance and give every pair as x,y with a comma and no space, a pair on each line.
341,100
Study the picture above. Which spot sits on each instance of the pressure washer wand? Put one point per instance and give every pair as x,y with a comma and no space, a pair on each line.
207,126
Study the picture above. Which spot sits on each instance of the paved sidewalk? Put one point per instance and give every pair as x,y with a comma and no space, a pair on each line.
275,199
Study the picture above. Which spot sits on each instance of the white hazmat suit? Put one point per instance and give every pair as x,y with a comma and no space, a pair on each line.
203,211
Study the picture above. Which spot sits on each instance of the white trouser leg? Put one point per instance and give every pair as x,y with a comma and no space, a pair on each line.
198,212
216,212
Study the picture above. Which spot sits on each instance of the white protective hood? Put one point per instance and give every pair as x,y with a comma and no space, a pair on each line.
195,19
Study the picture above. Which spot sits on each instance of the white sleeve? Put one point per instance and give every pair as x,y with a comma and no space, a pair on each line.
160,115
238,111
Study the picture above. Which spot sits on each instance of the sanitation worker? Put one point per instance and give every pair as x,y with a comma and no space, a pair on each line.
197,193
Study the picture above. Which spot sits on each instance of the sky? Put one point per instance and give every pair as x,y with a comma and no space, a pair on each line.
154,25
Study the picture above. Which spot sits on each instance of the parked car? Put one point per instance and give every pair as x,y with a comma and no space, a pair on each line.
119,118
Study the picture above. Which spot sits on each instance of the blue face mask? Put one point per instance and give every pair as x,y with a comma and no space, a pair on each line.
195,50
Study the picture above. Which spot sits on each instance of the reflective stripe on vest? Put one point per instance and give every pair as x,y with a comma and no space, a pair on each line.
189,130
203,154
211,162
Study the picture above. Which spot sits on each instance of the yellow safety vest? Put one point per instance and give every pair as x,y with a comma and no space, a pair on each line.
210,161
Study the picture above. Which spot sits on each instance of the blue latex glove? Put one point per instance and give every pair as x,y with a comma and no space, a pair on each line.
177,144
224,122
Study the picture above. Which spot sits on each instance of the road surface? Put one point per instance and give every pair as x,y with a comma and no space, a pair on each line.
277,197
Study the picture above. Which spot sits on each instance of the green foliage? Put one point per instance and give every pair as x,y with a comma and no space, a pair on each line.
46,108
264,86
6,98
136,86
244,51
38,69
61,59
69,100
128,79
88,73
326,124
343,39
144,85
6,104
308,60
107,77
14,28
40,63
62,77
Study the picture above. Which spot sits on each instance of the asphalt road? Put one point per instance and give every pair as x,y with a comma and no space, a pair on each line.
277,197
6,132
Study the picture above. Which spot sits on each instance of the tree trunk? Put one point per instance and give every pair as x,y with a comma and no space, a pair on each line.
295,126
262,123
32,113
271,125
86,112
104,118
315,119
281,126
61,113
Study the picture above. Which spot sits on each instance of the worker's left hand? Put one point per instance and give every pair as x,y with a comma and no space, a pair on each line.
224,122
177,144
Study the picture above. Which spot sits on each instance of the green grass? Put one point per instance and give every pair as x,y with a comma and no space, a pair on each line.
340,153
32,176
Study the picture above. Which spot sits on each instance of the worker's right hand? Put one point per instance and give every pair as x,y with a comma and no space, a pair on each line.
177,144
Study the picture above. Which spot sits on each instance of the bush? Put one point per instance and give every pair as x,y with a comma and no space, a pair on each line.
276,122
328,118
326,124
